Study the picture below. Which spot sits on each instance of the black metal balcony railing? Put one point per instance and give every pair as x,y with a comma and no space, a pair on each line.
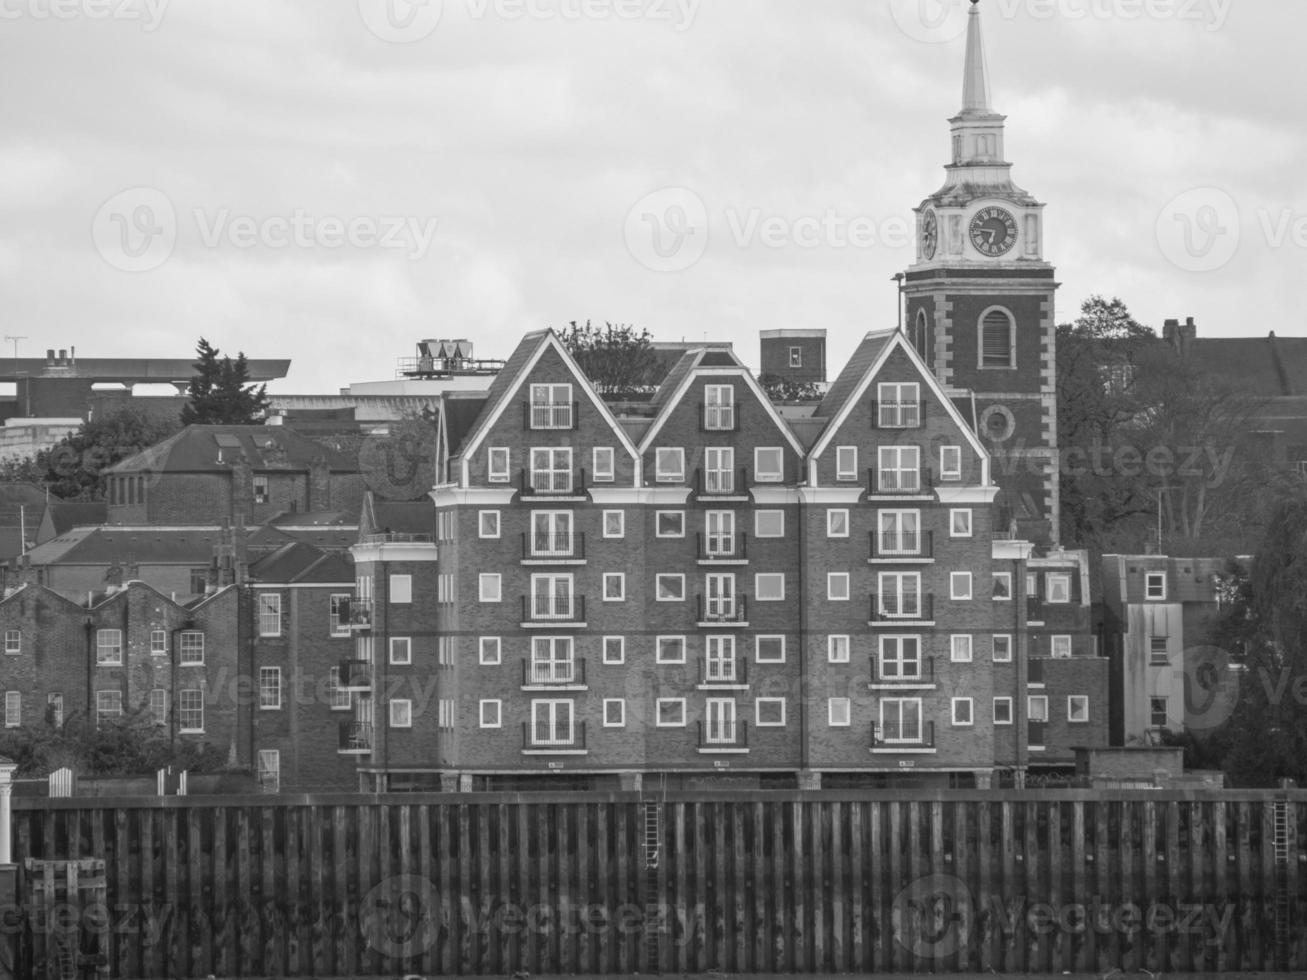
1036,732
724,609
897,415
723,547
355,737
552,483
911,607
733,672
553,737
1034,672
355,675
908,735
549,415
901,544
360,613
553,673
723,734
721,483
919,671
719,418
538,546
550,608
899,480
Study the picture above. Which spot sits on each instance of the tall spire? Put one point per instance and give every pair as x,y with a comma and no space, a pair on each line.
975,82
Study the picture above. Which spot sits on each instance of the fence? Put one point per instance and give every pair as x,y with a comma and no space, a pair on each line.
763,883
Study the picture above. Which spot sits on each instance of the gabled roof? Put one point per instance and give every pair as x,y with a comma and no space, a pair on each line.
336,537
68,514
459,413
842,388
214,448
297,563
144,545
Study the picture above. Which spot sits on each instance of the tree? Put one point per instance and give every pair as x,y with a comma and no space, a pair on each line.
220,392
618,361
780,389
74,467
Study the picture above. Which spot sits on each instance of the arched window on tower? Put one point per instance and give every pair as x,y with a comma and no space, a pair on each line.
919,333
997,339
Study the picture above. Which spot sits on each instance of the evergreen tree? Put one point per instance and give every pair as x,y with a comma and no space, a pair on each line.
221,393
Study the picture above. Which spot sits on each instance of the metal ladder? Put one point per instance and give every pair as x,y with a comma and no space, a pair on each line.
652,812
1280,843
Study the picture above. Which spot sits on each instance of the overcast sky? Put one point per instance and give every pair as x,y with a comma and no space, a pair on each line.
331,180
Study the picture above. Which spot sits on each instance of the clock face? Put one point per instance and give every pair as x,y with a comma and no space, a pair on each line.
993,231
929,234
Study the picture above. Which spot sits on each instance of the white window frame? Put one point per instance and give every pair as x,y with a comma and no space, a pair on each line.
959,585
620,516
719,469
770,514
898,704
159,642
1059,646
771,638
676,517
611,643
551,534
1058,582
13,709
548,412
839,648
846,462
270,689
499,464
1007,702
838,587
54,702
961,523
1040,716
834,516
617,594
190,648
400,712
159,705
766,473
109,704
551,469
1072,700
490,651
401,650
950,463
839,712
719,721
674,703
13,642
900,657
719,533
337,699
898,469
269,614
669,464
899,532
603,461
609,705
488,524
906,584
490,587
190,707
719,408
771,578
994,589
669,649
961,648
108,648
548,590
1005,641
663,581
759,703
959,705
337,624
898,405
1151,579
490,713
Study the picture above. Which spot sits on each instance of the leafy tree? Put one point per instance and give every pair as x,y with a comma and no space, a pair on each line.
780,389
618,361
74,467
220,392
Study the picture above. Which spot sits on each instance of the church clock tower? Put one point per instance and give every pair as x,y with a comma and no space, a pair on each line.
979,305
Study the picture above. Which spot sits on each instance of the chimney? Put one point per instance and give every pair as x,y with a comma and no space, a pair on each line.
49,356
242,488
1180,335
319,485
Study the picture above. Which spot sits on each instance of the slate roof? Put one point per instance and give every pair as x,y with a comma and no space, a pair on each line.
843,387
198,448
706,356
68,514
401,517
176,545
297,563
506,381
461,414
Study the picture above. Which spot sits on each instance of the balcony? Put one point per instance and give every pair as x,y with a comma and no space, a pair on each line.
897,415
1035,673
552,484
360,614
899,737
723,549
549,740
547,548
723,611
719,418
397,537
902,547
355,676
905,676
730,675
549,415
549,610
724,737
355,738
1034,610
902,610
1036,732
555,675
910,482
722,484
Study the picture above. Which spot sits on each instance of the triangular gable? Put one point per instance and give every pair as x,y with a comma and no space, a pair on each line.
515,374
896,341
693,366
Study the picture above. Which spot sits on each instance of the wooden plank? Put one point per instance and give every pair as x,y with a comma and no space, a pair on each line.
959,862
1081,959
801,944
781,899
984,894
856,961
1012,886
321,902
683,906
835,884
1058,945
899,959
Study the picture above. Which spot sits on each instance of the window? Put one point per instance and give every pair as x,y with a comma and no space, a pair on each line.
488,524
1077,708
837,649
769,523
1032,585
1002,648
614,649
614,523
769,712
768,464
769,649
960,651
837,523
1002,587
669,587
719,539
401,713
199,581
270,688
551,406
54,709
492,714
1002,711
1061,647
337,700
338,614
669,523
490,651
1155,586
899,469
962,709
670,649
190,710
497,464
838,712
158,643
614,586
269,614
900,658
551,533
1059,587
268,772
13,642
719,659
13,709
490,587
900,720
108,647
769,587
604,464
959,585
614,713
401,589
796,357
670,713
669,465
1157,652
950,462
899,405
996,348
192,647
260,489
837,586
1037,707
551,469
109,704
719,408
900,595
401,650
551,596
1158,712
899,532
719,469
846,462
959,523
